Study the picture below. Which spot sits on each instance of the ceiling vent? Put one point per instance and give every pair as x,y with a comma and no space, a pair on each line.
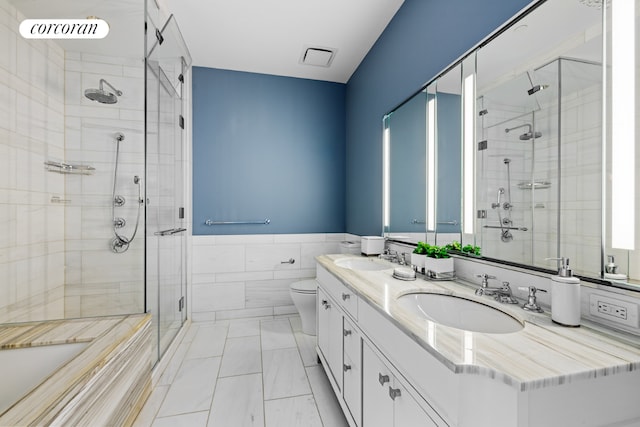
318,56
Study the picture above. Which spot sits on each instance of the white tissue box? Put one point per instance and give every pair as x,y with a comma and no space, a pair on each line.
372,245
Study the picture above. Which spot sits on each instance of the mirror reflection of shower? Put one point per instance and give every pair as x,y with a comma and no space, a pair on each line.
102,96
120,243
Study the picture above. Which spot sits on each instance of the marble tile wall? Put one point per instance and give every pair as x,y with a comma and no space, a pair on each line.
31,132
244,276
99,281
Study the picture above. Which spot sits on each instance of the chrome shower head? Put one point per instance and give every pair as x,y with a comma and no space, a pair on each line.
507,161
530,135
103,96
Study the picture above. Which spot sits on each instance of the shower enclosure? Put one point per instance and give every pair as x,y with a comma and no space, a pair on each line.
92,153
167,65
538,155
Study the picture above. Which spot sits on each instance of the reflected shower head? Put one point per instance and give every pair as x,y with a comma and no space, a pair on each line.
527,135
507,161
530,135
103,96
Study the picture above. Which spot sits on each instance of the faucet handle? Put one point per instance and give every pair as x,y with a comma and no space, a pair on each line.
485,276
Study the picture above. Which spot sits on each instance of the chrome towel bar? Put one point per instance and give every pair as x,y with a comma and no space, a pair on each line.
212,222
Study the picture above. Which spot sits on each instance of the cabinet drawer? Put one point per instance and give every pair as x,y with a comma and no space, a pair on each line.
346,298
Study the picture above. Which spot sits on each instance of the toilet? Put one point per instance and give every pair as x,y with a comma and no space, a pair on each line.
303,294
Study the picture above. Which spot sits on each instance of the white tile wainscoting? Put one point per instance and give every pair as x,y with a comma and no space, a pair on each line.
249,275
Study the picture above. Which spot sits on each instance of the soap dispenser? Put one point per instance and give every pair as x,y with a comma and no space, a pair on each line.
565,296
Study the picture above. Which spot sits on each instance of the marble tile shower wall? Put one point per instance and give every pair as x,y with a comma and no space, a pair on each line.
99,281
31,132
246,276
581,198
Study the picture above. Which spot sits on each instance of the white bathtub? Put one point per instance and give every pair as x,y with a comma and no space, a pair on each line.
22,369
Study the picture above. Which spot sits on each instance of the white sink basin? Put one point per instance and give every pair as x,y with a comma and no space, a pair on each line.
459,313
363,264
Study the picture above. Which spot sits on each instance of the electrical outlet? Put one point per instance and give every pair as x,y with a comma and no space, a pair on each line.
614,310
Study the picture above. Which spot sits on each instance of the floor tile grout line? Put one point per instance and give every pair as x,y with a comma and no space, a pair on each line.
315,402
215,386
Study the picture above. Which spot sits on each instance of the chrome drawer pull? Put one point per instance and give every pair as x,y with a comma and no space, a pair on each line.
346,332
383,379
326,304
346,367
345,297
394,392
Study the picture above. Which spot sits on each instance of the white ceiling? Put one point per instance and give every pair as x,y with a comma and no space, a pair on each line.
269,37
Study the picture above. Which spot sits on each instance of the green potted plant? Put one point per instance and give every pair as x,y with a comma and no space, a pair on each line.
418,255
438,260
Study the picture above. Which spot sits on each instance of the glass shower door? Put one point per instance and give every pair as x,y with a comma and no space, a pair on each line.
166,226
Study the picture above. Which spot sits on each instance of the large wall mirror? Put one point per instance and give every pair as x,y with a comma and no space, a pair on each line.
544,151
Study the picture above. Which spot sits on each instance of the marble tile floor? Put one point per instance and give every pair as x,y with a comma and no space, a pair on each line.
245,372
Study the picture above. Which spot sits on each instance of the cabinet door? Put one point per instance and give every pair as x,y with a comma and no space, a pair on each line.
377,405
323,323
335,343
406,411
352,390
330,335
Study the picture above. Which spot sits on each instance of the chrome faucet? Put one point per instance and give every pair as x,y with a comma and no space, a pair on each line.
392,256
502,294
485,284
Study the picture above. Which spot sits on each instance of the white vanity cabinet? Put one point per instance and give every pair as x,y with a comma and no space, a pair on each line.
354,369
386,401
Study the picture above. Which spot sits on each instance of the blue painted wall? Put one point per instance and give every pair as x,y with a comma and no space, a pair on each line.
267,147
422,39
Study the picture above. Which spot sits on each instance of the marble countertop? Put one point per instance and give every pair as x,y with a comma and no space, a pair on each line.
542,354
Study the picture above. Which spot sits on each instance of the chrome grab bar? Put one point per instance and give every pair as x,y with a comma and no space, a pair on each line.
506,228
169,231
212,222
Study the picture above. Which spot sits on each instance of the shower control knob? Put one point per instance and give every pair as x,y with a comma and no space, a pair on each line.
119,200
119,222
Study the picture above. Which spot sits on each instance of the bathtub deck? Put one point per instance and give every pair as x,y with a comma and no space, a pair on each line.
106,383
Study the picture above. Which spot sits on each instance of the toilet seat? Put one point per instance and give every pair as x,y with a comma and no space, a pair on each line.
305,286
